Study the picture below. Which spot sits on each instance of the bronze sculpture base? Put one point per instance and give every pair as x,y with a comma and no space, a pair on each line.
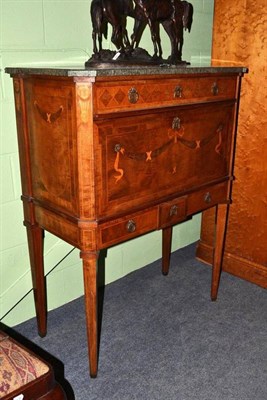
138,56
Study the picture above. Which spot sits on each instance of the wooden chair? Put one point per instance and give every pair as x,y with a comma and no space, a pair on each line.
24,375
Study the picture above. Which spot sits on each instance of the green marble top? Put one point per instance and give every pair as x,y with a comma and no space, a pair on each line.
70,71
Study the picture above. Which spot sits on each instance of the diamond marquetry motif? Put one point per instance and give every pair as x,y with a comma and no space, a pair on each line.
105,97
145,94
157,94
120,96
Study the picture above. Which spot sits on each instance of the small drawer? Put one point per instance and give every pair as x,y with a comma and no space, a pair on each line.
207,198
128,227
142,93
211,88
172,212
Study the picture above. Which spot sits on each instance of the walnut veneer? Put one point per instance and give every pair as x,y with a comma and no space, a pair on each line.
109,155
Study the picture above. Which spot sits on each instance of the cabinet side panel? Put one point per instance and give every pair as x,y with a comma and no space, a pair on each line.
53,143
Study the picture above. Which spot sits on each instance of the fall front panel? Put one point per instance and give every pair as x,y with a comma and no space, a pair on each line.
147,157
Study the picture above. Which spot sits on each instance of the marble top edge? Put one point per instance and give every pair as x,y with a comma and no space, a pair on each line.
122,71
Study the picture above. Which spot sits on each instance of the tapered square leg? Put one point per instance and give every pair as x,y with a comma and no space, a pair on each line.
90,264
166,249
35,236
221,222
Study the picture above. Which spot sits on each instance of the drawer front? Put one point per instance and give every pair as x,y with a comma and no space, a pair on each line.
207,198
172,212
147,93
128,227
146,158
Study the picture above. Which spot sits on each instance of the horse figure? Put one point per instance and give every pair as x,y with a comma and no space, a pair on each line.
142,16
115,13
174,15
99,24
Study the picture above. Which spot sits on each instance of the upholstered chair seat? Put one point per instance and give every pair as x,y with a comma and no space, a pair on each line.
24,375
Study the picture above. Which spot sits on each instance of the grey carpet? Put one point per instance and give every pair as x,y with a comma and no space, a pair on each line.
163,339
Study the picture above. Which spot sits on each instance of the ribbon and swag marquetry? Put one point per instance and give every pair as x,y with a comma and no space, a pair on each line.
175,137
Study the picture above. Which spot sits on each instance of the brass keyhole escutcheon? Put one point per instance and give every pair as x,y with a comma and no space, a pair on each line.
173,210
133,95
207,198
215,89
177,93
131,226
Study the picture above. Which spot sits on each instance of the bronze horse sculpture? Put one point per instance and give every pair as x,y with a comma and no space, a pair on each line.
174,15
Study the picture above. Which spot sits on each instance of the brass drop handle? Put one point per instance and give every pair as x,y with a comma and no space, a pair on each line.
133,95
207,198
131,226
173,210
176,124
215,89
177,93
117,147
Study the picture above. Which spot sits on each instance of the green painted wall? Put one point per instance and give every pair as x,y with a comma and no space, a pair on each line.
58,32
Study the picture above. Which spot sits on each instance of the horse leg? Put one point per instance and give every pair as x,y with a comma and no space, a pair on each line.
100,41
139,27
172,33
94,41
126,40
157,34
181,43
154,38
125,37
179,39
116,38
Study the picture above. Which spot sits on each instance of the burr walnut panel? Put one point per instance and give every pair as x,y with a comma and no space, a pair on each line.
239,36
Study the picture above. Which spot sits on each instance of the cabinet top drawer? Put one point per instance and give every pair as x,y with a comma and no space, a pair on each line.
140,94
